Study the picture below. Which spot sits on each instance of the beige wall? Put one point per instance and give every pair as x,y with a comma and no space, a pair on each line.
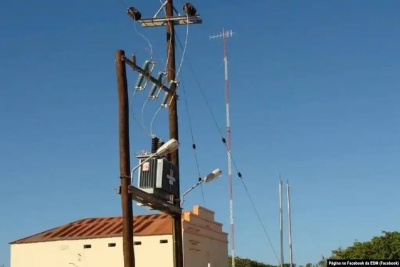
72,253
204,242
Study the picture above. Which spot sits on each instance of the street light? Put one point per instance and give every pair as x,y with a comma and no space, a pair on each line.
209,178
165,149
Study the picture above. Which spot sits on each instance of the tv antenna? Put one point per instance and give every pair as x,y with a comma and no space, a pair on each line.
225,35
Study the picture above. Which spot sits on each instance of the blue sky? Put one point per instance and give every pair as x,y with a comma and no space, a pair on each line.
314,96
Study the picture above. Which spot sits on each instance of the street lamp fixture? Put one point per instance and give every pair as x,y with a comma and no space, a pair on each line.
209,178
162,151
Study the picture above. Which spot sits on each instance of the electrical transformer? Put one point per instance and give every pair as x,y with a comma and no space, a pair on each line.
158,177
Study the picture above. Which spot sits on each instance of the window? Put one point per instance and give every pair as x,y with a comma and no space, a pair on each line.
111,245
163,241
137,243
87,246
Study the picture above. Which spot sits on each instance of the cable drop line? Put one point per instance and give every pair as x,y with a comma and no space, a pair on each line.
184,48
254,207
192,136
133,113
169,46
146,39
201,90
142,116
224,141
259,219
123,3
152,120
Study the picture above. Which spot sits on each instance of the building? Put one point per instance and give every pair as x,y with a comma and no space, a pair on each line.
97,242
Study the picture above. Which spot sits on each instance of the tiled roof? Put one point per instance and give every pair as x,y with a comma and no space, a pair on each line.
144,225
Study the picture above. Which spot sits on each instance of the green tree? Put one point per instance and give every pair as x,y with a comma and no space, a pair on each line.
244,262
386,246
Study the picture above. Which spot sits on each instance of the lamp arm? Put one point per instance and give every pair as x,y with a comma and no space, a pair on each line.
189,190
141,164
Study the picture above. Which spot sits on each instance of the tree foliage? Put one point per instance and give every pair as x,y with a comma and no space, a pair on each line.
244,262
386,246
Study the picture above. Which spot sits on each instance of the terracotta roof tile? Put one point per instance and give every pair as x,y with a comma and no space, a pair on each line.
144,225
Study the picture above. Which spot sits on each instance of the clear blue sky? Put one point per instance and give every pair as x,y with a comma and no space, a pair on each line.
314,96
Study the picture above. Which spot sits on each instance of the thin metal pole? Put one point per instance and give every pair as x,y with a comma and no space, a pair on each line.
281,219
173,130
126,198
290,224
225,35
228,145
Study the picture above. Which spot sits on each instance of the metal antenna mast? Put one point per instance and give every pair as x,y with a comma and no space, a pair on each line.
290,224
281,219
225,35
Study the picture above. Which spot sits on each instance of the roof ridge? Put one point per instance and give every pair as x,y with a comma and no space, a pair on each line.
96,227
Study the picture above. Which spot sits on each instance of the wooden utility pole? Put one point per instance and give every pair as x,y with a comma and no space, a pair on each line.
126,197
169,21
173,129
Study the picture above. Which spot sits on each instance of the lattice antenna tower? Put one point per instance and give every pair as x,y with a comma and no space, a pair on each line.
225,35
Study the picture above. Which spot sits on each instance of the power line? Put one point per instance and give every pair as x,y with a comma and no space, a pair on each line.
169,101
224,142
200,88
192,136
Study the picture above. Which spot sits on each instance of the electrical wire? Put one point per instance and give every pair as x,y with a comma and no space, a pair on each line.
166,66
133,112
136,30
187,109
233,161
151,59
142,117
201,89
169,46
145,38
152,120
184,47
123,3
165,70
193,141
255,210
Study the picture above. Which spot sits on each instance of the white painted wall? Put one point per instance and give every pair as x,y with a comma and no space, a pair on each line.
203,241
72,253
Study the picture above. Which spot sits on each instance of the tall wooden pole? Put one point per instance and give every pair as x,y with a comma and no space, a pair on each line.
126,198
173,130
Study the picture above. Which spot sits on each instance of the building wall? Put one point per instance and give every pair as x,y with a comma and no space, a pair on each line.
204,240
101,253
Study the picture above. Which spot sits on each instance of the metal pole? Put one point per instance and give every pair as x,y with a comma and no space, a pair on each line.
225,35
290,225
126,198
173,130
228,145
281,219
